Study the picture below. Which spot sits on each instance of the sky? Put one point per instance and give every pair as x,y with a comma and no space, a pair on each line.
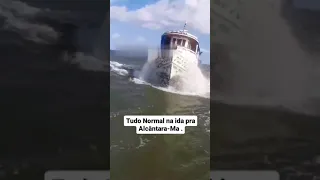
141,23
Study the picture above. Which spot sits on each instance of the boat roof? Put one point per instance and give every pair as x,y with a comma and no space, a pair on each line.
181,33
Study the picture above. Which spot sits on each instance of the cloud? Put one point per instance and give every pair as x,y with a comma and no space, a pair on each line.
141,39
115,36
167,14
18,17
18,8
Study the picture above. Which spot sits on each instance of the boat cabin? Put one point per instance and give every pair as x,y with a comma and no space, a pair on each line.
172,39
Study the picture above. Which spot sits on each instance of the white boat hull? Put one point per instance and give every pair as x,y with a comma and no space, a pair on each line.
173,65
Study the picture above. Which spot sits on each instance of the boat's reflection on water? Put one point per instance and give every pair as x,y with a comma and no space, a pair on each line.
160,157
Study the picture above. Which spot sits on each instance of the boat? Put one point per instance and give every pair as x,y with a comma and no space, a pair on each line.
179,53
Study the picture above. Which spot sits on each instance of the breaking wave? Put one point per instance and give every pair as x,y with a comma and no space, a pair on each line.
195,85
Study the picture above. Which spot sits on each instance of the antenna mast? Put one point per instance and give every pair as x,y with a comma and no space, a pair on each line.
184,27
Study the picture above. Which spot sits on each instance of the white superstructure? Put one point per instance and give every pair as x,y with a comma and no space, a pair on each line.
179,51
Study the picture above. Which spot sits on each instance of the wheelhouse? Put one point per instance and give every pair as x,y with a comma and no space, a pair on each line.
173,39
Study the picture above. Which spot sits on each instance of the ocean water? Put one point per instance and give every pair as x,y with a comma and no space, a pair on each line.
156,156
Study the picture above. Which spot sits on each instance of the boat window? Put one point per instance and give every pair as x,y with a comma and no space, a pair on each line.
174,41
192,45
179,41
183,43
167,42
163,39
189,45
